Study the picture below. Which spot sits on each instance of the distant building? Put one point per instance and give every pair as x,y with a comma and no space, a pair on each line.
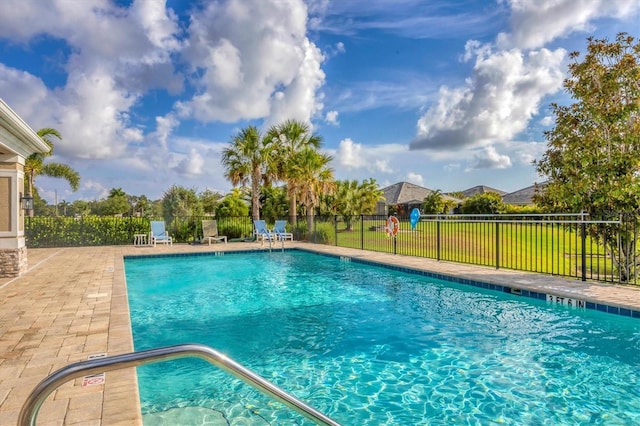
405,196
481,189
521,197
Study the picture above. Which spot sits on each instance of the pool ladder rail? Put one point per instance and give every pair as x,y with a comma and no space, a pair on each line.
30,408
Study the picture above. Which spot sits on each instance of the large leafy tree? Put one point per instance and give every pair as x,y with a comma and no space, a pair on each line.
35,165
310,176
209,199
290,138
80,207
116,203
592,162
179,201
247,161
232,205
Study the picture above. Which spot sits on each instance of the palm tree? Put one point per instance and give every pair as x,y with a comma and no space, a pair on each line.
34,165
247,160
345,201
354,199
291,137
63,205
117,192
310,177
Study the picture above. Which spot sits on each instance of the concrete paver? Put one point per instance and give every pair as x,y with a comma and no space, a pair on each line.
72,303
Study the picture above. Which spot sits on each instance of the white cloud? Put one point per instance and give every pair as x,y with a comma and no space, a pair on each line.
527,152
382,165
96,188
27,95
350,154
496,104
375,159
409,92
547,120
415,178
489,158
335,50
512,76
536,23
252,68
332,118
116,55
452,167
191,165
406,18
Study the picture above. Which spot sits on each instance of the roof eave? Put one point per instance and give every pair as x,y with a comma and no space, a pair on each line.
26,140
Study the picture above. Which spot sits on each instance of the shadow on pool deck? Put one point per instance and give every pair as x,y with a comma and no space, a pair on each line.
72,303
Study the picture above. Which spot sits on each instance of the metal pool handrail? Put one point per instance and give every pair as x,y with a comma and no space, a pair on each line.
30,408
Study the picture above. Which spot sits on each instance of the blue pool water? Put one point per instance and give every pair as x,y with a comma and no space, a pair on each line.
372,346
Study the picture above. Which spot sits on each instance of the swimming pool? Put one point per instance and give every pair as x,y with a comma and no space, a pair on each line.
368,345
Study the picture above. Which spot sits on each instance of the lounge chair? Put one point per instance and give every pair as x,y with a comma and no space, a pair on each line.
159,234
262,231
281,232
210,232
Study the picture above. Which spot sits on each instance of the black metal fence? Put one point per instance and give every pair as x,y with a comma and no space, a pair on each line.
569,245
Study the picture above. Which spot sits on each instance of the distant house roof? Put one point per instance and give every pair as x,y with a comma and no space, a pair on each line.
409,193
522,197
481,189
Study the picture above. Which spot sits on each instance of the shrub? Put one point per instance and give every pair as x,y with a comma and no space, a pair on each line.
324,233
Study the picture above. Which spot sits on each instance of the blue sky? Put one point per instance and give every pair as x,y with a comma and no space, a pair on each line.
441,93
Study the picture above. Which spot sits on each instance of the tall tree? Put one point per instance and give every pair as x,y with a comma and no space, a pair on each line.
290,138
209,199
310,176
247,160
35,165
117,192
179,201
592,161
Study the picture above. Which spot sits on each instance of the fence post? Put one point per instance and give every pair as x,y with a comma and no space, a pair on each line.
583,231
395,245
438,238
497,245
335,228
361,232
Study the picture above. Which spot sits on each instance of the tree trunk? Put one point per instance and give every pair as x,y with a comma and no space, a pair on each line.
293,214
309,223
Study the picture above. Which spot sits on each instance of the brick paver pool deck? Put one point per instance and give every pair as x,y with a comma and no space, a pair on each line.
72,304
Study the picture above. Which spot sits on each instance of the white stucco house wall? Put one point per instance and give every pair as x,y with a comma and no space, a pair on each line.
17,142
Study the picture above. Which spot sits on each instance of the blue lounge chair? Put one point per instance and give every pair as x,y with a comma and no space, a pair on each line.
262,231
281,232
159,234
